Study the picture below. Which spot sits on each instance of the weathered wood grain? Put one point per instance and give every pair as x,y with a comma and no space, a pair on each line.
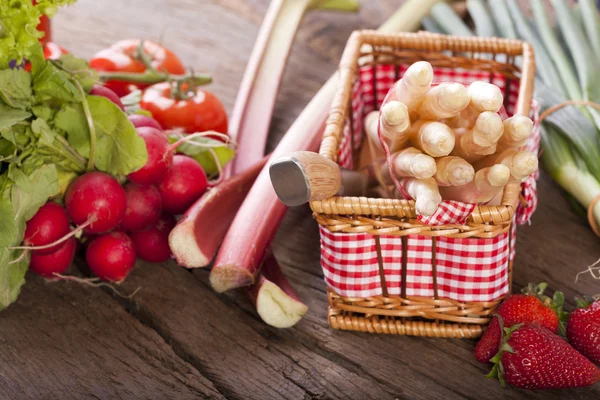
61,340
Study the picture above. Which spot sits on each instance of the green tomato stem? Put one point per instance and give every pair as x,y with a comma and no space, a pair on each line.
150,78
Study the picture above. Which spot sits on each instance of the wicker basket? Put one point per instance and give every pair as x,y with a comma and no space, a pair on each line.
507,61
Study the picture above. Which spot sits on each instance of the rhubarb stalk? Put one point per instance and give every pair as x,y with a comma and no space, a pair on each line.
275,300
198,234
238,261
251,117
196,238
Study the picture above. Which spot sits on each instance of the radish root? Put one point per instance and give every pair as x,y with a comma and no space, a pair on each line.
593,270
59,241
187,138
95,282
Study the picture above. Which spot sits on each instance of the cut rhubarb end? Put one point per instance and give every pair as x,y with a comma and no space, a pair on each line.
228,277
277,308
183,244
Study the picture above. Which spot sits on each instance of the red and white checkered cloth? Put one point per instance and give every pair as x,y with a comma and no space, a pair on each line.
470,269
467,269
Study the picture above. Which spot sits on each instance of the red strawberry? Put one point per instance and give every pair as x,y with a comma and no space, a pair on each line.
583,330
532,357
531,306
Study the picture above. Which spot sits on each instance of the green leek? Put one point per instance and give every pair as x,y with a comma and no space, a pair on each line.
591,22
568,170
484,25
447,19
502,18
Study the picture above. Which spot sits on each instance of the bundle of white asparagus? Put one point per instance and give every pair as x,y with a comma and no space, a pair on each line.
448,141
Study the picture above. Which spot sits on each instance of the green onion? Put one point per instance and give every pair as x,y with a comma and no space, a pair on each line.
591,22
582,55
568,170
447,19
573,124
556,51
484,26
431,26
543,62
502,18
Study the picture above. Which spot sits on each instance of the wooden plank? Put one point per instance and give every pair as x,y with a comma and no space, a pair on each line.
232,347
63,340
221,335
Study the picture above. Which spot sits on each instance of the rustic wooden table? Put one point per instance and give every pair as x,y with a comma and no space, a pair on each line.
177,339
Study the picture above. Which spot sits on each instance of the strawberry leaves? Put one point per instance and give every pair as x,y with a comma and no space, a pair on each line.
497,371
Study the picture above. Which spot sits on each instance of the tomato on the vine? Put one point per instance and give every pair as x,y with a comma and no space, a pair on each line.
52,51
187,110
122,57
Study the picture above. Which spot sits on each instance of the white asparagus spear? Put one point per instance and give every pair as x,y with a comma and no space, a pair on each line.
433,138
394,121
482,139
487,183
522,163
411,162
453,171
425,192
483,96
446,100
516,132
414,85
370,125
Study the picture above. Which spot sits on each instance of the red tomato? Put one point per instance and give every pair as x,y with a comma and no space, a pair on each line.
52,51
201,111
120,58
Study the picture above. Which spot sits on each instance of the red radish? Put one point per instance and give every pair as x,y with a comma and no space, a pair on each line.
96,199
184,184
139,121
49,224
144,206
99,90
153,244
160,157
111,256
57,262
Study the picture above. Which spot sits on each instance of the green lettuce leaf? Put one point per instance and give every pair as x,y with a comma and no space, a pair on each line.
7,149
52,83
8,226
31,192
51,147
80,70
12,276
119,149
15,88
71,119
199,149
10,116
19,20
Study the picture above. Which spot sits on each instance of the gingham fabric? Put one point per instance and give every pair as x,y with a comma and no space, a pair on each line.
467,269
449,212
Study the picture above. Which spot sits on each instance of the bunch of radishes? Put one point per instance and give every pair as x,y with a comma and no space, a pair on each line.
118,222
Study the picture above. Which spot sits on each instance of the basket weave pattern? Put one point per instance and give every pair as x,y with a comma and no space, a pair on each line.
496,59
